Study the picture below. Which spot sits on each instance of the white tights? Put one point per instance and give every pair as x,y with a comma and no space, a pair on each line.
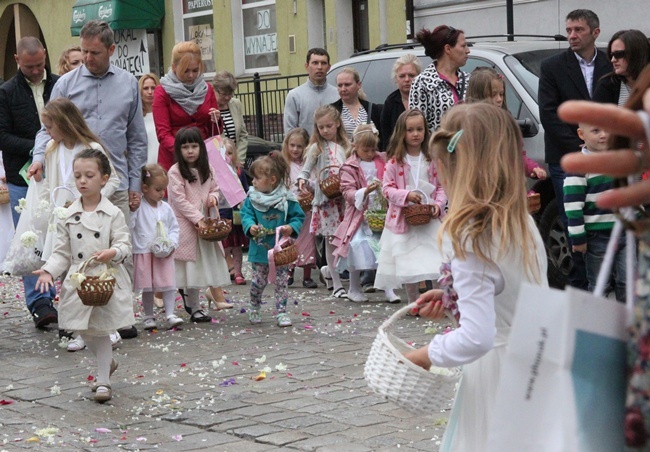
101,347
169,297
329,257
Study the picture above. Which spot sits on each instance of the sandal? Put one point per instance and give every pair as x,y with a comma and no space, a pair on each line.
340,293
240,281
104,393
200,317
254,316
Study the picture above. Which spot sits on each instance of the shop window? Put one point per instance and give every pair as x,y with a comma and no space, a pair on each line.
198,27
260,45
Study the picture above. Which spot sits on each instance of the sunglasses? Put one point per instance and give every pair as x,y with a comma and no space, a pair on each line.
617,54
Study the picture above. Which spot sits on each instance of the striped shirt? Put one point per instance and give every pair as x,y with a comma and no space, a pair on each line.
349,123
580,194
229,124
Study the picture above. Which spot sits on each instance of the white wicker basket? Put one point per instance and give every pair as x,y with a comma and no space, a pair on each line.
410,386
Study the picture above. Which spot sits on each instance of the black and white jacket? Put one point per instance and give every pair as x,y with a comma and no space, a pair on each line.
433,96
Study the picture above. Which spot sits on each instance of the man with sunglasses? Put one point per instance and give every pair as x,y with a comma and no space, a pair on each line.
570,75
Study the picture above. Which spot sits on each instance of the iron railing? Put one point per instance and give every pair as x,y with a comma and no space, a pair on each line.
263,104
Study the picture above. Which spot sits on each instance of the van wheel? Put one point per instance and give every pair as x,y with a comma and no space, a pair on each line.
557,246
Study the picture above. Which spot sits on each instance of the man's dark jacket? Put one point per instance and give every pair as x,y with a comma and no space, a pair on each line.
19,123
560,80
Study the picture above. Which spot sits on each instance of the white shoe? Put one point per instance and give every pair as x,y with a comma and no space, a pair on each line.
357,297
173,321
115,338
76,344
149,324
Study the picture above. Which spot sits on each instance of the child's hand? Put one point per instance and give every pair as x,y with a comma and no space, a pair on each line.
435,210
254,230
429,305
539,173
201,224
212,201
301,185
134,200
45,281
580,248
414,197
420,357
286,230
372,187
105,256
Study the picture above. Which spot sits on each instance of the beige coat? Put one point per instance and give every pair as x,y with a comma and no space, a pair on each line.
78,236
241,134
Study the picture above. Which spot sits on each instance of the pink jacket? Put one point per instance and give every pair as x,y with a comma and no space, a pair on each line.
189,200
396,178
353,179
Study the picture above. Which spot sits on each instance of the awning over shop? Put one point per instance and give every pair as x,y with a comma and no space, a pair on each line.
120,14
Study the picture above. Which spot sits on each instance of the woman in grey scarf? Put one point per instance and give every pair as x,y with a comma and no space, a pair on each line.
184,99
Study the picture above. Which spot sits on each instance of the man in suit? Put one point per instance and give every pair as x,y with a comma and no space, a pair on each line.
570,75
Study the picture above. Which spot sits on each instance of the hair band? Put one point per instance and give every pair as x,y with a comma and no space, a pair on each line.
374,131
451,147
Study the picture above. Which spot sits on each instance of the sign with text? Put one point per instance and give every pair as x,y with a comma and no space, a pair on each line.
131,51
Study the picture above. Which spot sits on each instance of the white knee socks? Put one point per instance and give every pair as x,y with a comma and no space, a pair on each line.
329,257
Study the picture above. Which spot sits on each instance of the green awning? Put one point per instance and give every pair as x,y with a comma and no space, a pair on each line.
120,14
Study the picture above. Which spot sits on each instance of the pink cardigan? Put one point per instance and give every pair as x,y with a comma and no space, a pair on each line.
353,179
188,201
396,178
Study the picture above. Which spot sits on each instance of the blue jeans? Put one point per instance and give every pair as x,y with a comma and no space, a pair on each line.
33,297
578,273
596,247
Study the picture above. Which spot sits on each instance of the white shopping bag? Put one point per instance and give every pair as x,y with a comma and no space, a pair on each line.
563,381
26,249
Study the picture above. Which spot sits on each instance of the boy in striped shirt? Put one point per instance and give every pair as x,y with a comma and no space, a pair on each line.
589,225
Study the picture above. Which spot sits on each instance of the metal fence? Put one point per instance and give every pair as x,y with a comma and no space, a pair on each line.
263,104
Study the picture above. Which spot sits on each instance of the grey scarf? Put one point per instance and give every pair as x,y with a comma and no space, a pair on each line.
189,97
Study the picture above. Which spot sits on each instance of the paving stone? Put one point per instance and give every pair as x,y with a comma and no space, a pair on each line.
282,438
255,431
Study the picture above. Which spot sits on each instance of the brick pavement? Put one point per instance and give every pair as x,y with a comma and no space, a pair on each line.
194,389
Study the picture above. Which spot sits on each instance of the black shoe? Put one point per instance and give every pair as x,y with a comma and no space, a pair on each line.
128,332
200,317
309,284
65,334
368,288
290,282
345,275
44,315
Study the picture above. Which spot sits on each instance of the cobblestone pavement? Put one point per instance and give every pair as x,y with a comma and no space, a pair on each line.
195,388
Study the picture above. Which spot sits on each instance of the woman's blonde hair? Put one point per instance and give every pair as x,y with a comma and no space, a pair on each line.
224,81
480,85
295,132
318,141
183,54
365,136
397,144
477,148
70,122
144,78
357,78
409,58
63,66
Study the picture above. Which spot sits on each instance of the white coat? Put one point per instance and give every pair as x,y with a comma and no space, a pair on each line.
79,235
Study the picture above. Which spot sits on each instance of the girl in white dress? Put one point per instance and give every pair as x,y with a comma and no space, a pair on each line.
496,247
6,222
193,191
154,231
410,254
328,147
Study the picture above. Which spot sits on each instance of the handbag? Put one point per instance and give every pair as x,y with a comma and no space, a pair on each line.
563,380
162,246
26,249
57,213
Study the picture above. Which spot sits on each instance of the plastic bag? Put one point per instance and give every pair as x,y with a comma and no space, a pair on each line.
60,198
26,249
